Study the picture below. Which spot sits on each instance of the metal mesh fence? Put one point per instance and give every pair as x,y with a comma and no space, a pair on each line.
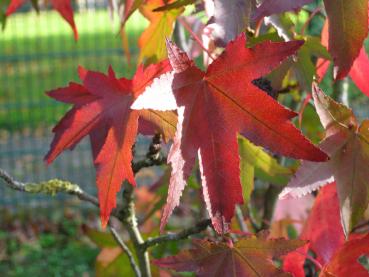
37,54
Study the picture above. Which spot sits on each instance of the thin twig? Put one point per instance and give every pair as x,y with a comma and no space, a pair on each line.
121,243
20,186
199,227
195,37
128,218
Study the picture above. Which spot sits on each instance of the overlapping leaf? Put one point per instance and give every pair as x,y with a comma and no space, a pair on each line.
250,256
63,7
215,105
269,7
152,40
359,72
348,25
231,17
323,231
256,162
102,110
345,261
347,143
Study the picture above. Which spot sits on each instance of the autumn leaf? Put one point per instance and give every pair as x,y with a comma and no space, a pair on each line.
345,261
231,17
63,7
250,256
347,143
174,5
348,25
215,105
152,40
130,6
256,162
359,72
269,7
323,231
102,110
304,68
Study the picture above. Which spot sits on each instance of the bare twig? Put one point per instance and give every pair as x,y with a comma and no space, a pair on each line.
195,37
125,212
153,156
125,248
199,227
31,188
128,218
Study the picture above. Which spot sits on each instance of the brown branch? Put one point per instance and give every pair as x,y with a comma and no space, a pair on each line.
32,188
128,252
199,227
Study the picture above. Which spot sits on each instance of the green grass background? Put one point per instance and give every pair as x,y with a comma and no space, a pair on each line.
38,53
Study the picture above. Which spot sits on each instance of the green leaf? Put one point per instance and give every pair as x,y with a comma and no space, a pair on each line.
265,167
247,179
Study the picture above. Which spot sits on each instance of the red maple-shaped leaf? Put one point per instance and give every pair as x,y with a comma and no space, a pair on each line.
347,143
348,24
63,7
345,261
214,106
102,110
250,256
323,230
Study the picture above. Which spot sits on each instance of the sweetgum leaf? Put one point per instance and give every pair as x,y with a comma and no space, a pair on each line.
250,256
63,7
345,261
231,17
359,72
174,5
130,6
323,231
347,143
152,40
348,27
214,106
269,7
102,110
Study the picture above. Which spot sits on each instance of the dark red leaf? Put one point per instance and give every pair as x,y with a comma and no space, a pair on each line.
102,110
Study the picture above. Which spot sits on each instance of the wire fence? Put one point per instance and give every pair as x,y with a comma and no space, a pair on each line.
37,54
